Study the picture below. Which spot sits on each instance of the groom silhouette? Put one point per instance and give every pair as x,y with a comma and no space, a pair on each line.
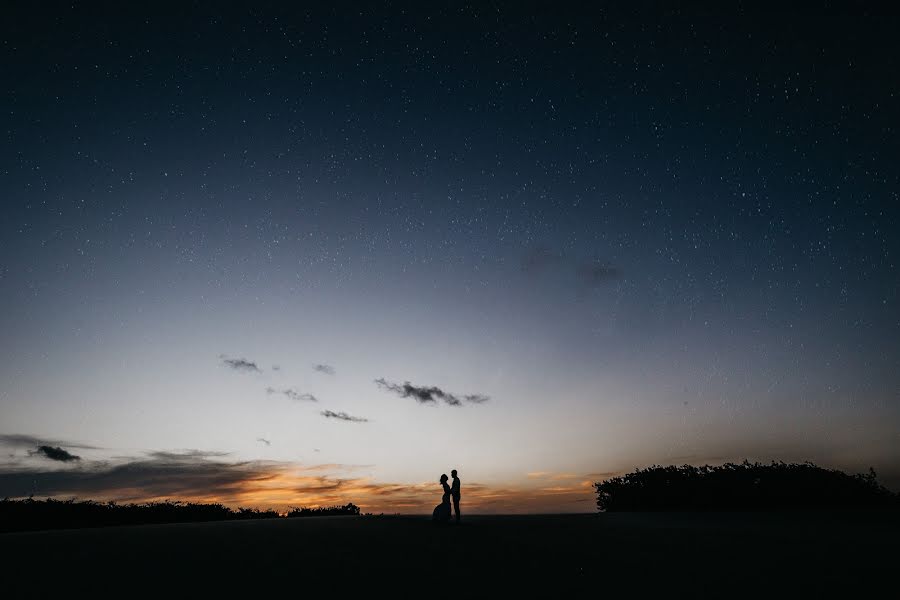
454,493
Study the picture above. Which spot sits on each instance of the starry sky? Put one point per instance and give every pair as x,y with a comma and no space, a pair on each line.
311,255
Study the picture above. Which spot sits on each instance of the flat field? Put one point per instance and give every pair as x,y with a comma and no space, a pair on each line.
641,554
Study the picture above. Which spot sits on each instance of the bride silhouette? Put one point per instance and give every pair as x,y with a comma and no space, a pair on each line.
442,511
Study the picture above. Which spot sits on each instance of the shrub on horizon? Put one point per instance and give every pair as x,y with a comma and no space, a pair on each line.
347,509
30,514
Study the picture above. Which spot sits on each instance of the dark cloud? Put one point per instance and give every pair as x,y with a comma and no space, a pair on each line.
292,394
420,393
240,364
327,369
597,273
264,441
476,398
452,400
429,394
18,440
329,414
161,474
589,273
56,453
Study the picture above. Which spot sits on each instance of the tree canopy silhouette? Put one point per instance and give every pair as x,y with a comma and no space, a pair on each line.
744,486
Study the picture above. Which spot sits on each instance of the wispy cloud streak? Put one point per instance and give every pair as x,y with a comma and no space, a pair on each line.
330,414
429,394
240,364
292,394
19,440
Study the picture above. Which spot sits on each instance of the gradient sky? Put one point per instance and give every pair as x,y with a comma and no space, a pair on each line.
645,238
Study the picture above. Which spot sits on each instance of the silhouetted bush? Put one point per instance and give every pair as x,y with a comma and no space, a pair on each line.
745,486
347,509
28,515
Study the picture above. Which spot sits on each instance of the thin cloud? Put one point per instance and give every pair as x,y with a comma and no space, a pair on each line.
595,477
292,394
698,459
19,440
592,273
337,467
330,414
553,476
322,368
540,258
186,455
429,394
56,453
240,364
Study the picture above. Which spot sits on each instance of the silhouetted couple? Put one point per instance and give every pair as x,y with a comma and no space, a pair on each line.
442,511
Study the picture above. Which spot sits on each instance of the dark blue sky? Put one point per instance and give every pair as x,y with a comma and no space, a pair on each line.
648,238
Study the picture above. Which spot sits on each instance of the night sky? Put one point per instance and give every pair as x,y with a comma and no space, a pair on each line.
278,257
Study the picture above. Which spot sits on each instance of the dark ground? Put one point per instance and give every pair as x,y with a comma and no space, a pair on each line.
661,554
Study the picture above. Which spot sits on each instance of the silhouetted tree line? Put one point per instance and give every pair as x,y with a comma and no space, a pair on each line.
347,509
746,486
30,514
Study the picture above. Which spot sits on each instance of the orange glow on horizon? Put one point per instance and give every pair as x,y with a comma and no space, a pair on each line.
283,488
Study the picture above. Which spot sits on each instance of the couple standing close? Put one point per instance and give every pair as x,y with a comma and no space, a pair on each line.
442,511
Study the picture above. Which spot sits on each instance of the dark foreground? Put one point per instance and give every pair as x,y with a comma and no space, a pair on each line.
642,554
